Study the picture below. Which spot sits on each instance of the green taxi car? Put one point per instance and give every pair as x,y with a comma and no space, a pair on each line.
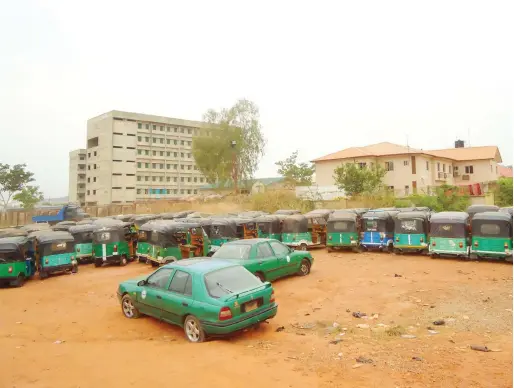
268,259
207,298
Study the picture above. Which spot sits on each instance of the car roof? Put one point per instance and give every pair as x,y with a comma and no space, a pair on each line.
250,241
200,265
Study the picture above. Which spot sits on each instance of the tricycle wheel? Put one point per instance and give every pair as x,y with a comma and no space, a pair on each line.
305,268
98,263
193,329
303,247
127,307
357,249
75,269
154,264
42,274
330,249
19,282
473,256
123,261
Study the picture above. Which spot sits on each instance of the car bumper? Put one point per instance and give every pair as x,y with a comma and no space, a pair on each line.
222,328
6,279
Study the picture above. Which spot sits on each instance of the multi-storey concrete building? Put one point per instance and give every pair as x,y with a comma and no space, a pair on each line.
77,182
132,156
409,169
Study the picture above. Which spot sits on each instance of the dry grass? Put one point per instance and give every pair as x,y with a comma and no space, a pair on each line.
395,331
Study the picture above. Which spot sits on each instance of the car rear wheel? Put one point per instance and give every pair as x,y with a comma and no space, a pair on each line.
123,261
261,277
193,329
42,274
303,247
75,269
305,268
127,307
98,263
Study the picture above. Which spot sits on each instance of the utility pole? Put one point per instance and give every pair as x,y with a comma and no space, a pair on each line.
234,165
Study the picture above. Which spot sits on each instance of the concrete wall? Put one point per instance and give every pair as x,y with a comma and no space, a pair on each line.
483,171
77,180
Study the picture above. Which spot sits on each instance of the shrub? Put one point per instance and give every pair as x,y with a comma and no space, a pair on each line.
272,201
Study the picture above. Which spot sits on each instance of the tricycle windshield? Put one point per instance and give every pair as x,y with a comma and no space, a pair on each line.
57,248
409,227
229,280
371,225
11,256
341,226
448,230
492,229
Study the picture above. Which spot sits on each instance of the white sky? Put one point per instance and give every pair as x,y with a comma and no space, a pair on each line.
326,75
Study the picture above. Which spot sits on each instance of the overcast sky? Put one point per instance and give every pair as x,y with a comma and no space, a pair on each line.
326,75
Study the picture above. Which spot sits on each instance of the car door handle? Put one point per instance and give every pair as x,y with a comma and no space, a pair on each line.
260,262
159,297
184,304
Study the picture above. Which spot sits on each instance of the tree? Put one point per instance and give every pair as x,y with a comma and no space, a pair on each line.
12,180
297,174
445,198
354,180
504,192
29,196
213,151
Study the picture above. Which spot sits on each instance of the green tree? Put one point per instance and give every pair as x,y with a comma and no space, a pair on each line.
13,180
213,151
295,173
354,180
445,198
29,196
504,192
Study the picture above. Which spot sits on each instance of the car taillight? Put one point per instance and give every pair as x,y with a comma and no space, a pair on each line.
421,239
433,243
351,238
460,245
115,249
225,314
504,245
397,239
476,243
10,269
46,261
330,237
272,296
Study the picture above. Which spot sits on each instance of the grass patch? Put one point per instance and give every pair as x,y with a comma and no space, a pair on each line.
395,331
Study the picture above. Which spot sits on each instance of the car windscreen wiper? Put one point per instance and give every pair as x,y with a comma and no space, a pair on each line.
223,288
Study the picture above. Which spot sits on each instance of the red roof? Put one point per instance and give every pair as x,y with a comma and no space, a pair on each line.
505,171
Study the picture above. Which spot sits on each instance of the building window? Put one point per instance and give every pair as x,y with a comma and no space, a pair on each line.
201,180
94,192
147,165
138,164
181,142
161,140
189,156
182,179
146,191
175,130
168,129
139,125
147,139
405,162
138,191
168,166
154,127
139,138
195,179
89,154
168,153
94,166
469,169
154,139
181,154
147,126
389,166
189,131
444,167
147,178
428,165
88,192
161,179
181,130
139,178
174,179
94,153
88,180
195,191
175,154
154,153
182,191
161,128
161,166
175,142
154,165
168,179
154,178
189,191
181,166
168,141
438,166
175,166
175,191
189,167
139,152
94,179
161,153
147,152
168,191
188,143
189,179
407,190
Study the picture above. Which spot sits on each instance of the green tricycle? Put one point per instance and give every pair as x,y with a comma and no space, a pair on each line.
449,234
343,230
411,232
491,236
113,242
54,252
83,235
269,226
16,262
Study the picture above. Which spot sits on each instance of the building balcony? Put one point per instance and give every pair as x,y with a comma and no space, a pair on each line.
441,177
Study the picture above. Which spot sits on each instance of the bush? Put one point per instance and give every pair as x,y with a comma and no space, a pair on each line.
271,201
445,198
503,195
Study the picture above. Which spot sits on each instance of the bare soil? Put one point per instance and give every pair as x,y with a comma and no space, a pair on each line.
68,330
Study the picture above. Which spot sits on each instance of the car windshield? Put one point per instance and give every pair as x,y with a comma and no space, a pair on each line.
230,280
233,251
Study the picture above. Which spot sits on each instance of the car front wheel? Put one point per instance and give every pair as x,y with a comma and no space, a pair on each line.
305,268
193,329
127,307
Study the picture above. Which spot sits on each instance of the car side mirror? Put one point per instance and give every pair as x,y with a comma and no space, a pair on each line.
141,283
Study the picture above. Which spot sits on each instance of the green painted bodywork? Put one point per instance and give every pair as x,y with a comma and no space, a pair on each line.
274,236
171,307
273,267
294,239
61,259
449,246
84,250
491,246
18,267
405,241
342,239
123,249
144,249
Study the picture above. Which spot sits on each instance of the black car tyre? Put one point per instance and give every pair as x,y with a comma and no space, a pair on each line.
305,268
193,329
98,263
123,261
42,274
127,307
20,281
303,247
75,269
